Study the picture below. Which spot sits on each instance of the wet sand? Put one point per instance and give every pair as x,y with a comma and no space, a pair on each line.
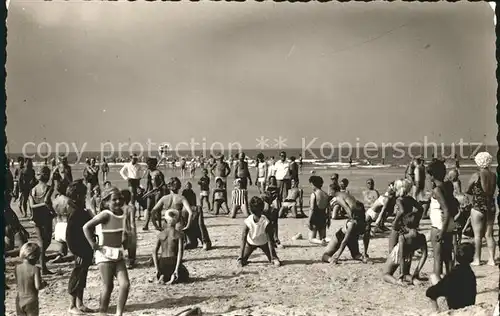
302,286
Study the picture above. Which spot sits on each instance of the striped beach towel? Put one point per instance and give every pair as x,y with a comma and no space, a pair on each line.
239,197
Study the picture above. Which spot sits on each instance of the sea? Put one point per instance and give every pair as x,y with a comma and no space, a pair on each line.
320,158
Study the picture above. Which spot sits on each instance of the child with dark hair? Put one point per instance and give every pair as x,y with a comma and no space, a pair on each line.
459,285
29,280
344,183
402,255
204,184
219,197
442,210
347,236
319,217
257,233
272,207
198,230
78,245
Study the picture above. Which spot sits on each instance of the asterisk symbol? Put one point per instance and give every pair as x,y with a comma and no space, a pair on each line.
280,142
262,142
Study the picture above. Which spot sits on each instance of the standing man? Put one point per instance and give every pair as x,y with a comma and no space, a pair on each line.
241,172
131,172
282,169
66,168
27,181
220,169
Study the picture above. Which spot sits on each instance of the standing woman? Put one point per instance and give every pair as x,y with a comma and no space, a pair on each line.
442,210
42,213
481,189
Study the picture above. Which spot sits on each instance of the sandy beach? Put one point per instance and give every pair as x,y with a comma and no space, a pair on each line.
302,286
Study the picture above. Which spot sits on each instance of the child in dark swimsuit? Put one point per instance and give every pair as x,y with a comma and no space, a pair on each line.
169,267
197,230
347,236
29,281
319,217
273,206
218,197
204,184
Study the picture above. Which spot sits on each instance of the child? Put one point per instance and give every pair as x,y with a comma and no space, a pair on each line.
204,184
370,195
344,183
273,191
155,189
239,198
271,211
218,197
104,170
319,217
78,245
95,201
109,251
294,197
198,230
169,267
347,235
131,229
442,210
29,280
401,257
405,213
459,286
257,234
42,213
192,168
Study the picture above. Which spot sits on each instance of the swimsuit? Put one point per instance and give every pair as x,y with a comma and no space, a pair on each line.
436,216
319,216
480,199
110,237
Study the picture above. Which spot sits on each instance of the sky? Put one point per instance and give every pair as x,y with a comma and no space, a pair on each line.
92,72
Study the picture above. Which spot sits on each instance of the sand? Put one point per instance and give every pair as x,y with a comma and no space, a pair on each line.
302,286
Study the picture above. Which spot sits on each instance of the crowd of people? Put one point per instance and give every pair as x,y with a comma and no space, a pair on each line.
97,225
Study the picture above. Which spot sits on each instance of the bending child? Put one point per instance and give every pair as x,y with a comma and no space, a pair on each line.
347,236
257,234
169,267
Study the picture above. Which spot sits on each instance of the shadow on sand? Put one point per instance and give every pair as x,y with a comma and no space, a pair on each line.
172,303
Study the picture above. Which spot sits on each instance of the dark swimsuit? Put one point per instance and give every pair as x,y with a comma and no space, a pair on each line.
480,199
318,217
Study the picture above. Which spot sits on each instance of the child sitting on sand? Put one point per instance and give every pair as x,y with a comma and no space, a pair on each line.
293,198
401,256
239,198
109,252
408,211
218,197
347,235
169,267
29,280
257,234
459,286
